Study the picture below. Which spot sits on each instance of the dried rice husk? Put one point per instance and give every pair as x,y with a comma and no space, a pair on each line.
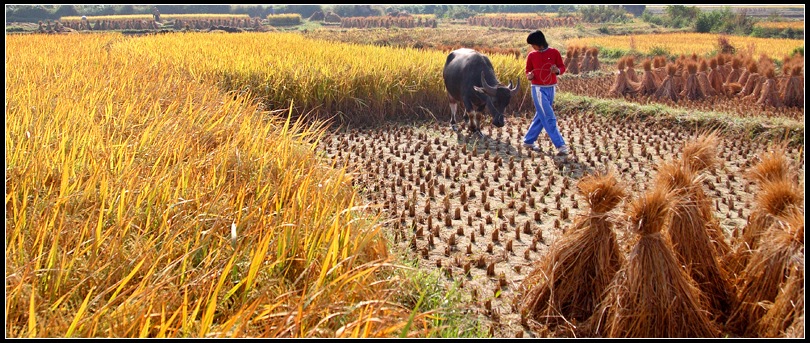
652,295
568,283
769,268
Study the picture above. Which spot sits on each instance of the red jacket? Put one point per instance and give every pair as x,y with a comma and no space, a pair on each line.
540,62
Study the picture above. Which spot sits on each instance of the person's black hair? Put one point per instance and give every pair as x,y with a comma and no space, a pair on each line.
537,38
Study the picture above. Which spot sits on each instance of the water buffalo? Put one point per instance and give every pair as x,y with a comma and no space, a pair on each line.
470,79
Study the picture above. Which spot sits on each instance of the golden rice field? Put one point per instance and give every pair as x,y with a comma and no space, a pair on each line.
125,17
689,43
780,25
145,200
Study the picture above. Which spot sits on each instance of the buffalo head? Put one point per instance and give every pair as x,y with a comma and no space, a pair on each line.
497,98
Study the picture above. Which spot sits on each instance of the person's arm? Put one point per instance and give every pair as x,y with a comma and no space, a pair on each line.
560,64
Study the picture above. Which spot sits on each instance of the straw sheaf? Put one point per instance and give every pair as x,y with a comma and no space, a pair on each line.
652,295
602,191
693,244
773,165
647,65
568,284
700,153
776,197
649,213
788,307
676,176
768,268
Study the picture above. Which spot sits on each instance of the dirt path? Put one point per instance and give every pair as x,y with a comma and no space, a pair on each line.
485,211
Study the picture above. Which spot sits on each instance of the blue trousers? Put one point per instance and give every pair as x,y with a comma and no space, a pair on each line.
544,117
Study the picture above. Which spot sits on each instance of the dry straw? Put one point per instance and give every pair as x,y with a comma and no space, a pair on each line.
690,238
567,284
771,272
652,295
667,89
778,192
788,308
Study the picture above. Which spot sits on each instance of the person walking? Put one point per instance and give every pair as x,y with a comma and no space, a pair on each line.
543,65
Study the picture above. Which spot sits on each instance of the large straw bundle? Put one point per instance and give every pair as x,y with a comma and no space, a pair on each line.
652,295
736,71
768,269
586,62
568,283
572,67
793,93
700,154
648,84
788,307
753,79
595,65
715,75
569,52
691,89
659,68
778,192
703,79
667,89
691,240
631,71
622,84
770,93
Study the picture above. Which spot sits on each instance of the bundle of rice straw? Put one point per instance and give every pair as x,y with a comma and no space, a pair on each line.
648,84
622,85
777,193
586,61
736,71
715,75
595,65
666,90
573,65
770,93
753,79
569,281
788,307
659,68
703,79
568,53
652,295
793,93
691,89
631,71
770,267
700,154
690,239
746,71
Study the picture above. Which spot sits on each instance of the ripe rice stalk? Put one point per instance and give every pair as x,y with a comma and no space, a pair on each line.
666,91
691,241
567,284
768,270
652,295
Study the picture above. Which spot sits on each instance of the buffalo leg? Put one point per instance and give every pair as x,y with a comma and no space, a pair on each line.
453,110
